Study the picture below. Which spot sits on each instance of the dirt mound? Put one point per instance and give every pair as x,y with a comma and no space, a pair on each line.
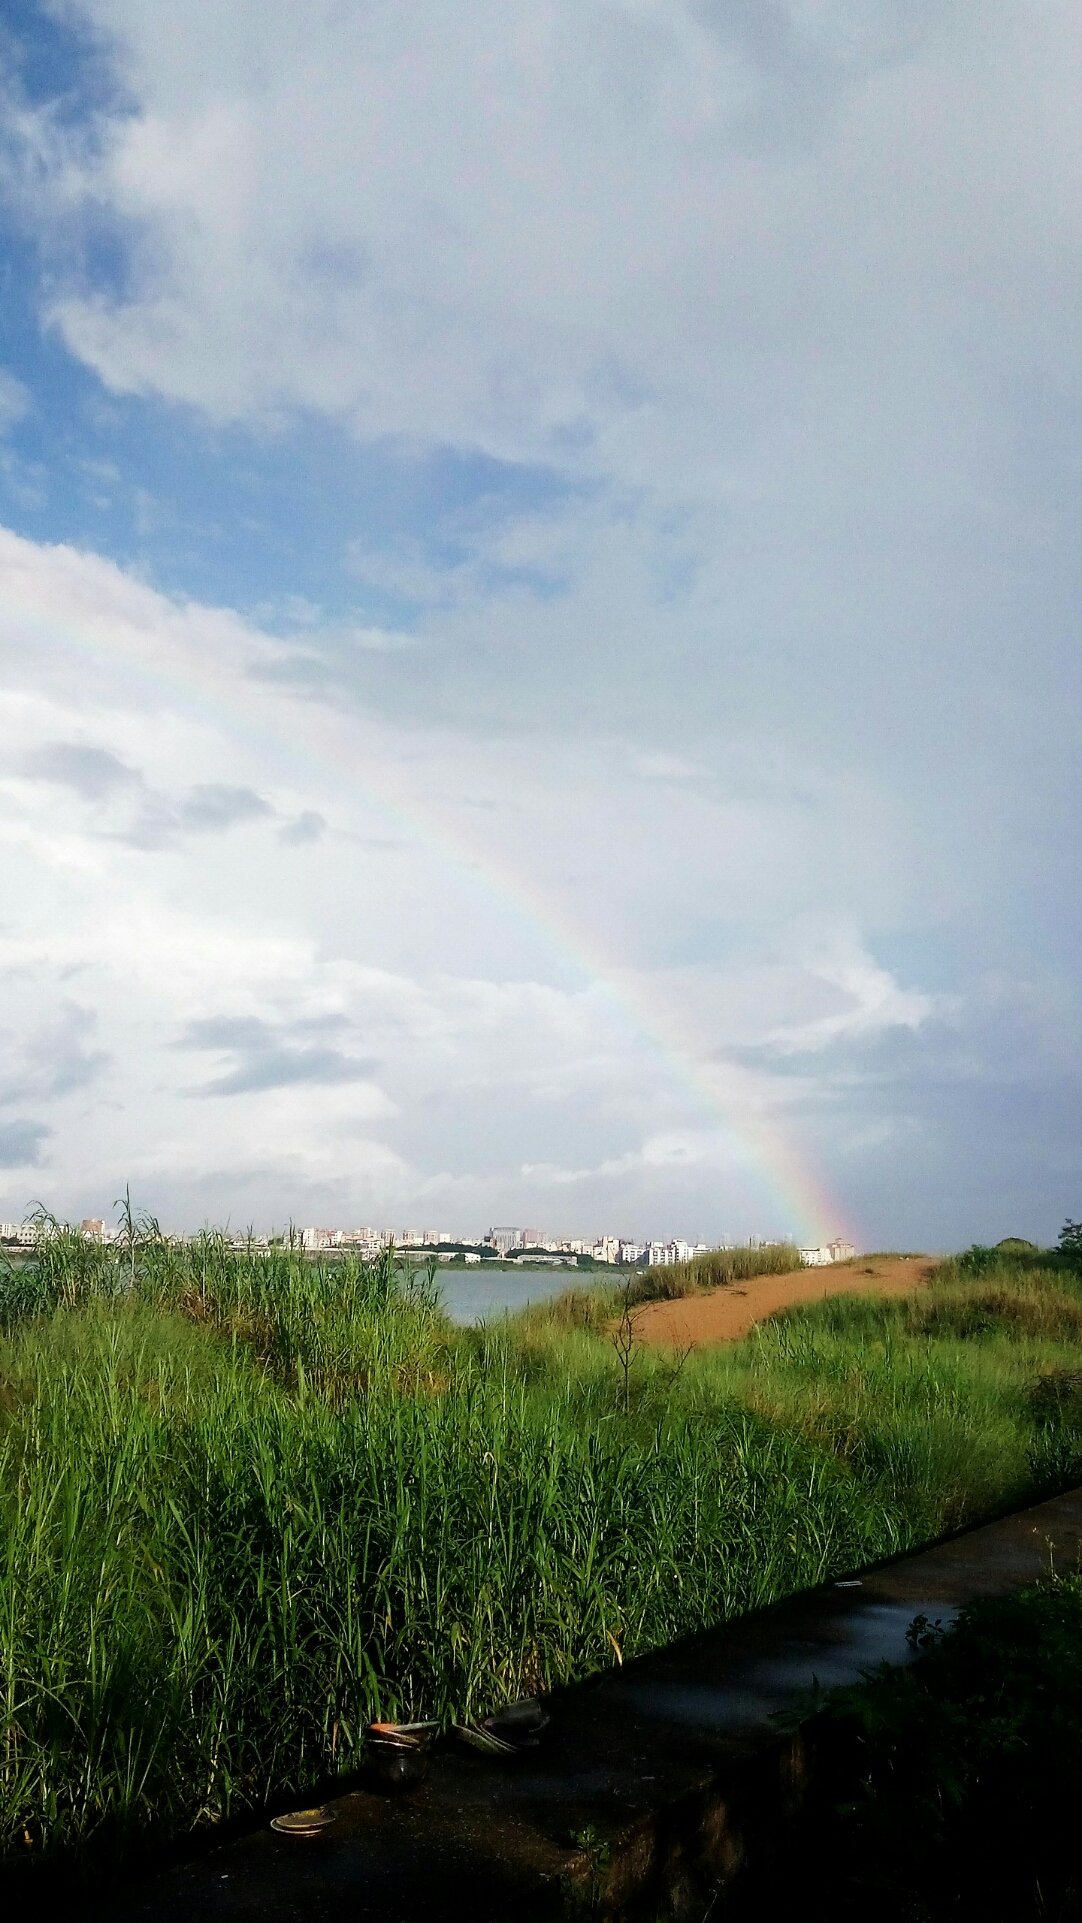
699,1321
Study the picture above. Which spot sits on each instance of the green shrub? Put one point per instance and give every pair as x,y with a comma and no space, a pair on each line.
949,1790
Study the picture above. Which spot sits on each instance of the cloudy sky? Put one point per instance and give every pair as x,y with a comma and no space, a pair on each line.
539,584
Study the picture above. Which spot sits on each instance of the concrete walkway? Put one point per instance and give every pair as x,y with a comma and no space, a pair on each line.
651,1785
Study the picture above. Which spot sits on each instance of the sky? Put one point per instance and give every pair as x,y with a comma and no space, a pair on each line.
539,590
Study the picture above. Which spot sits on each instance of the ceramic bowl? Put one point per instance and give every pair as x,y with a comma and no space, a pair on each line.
395,1763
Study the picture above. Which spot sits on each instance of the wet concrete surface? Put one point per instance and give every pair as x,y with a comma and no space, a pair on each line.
649,1788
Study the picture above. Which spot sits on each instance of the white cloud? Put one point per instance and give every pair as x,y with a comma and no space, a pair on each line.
367,1021
576,231
870,999
665,767
15,400
709,748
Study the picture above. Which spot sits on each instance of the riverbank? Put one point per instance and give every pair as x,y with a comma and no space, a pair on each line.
729,1313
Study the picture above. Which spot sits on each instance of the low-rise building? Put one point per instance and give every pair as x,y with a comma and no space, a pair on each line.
818,1258
320,1238
24,1233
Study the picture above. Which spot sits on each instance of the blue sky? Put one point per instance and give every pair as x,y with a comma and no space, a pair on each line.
540,597
256,520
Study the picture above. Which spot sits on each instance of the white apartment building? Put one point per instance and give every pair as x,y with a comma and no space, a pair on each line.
25,1233
827,1252
504,1240
320,1238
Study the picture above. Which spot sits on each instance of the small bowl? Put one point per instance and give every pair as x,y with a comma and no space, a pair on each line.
396,1763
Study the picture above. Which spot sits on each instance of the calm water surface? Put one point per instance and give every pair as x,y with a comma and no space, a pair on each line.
474,1295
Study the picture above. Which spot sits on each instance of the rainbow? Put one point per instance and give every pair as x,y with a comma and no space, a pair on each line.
757,1142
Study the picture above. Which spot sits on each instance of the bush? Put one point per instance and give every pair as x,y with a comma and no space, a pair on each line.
949,1790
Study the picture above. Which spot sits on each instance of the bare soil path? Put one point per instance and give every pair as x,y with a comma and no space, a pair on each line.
726,1314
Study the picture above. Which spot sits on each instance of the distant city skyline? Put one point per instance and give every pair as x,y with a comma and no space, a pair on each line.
502,1242
539,601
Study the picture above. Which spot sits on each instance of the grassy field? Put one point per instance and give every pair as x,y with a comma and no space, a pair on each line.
251,1502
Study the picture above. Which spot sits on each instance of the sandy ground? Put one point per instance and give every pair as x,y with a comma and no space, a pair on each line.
698,1321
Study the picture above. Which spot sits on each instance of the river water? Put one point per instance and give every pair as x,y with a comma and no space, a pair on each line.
475,1294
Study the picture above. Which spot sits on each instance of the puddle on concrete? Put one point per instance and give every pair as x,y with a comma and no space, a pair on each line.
851,1640
632,1779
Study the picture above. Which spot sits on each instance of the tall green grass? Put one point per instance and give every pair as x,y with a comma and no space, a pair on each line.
250,1502
594,1307
712,1270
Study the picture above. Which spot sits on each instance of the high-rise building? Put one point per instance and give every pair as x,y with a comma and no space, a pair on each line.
504,1240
